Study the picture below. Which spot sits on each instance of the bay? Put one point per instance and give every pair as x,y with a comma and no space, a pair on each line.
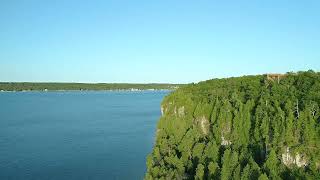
77,135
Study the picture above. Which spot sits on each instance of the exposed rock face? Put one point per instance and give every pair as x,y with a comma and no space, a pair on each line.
162,111
301,161
289,160
181,112
226,130
165,107
177,111
203,122
225,142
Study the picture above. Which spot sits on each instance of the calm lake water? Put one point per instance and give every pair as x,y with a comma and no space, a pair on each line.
77,135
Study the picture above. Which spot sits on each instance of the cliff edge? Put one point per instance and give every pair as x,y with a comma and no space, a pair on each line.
250,127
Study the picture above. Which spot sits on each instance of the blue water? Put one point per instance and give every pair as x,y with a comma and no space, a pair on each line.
76,135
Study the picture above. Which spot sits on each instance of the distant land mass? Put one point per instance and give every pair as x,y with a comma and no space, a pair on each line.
35,86
251,127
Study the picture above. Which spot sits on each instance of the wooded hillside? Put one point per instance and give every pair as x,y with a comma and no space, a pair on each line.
250,127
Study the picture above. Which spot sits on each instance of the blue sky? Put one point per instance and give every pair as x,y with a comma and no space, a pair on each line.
155,41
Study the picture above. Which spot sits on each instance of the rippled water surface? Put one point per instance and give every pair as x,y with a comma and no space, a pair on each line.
76,135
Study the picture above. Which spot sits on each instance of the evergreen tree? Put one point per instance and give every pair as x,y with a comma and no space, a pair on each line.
199,172
271,165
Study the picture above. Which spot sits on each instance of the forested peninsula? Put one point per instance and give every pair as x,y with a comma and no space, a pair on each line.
250,127
30,86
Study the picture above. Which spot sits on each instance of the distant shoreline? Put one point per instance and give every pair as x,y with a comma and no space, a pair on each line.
44,87
119,90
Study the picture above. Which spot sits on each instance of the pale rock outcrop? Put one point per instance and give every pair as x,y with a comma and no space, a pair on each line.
225,131
203,123
164,108
181,112
162,111
289,160
225,142
301,161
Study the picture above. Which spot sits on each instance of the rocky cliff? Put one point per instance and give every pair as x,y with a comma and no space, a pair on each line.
240,128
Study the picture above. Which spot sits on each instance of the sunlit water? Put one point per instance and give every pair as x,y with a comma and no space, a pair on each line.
76,135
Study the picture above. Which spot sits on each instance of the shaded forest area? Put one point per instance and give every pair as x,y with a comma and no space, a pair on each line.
251,127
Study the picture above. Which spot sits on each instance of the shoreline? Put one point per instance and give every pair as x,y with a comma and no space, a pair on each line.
44,87
117,90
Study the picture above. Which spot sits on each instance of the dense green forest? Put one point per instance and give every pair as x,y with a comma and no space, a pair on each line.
251,127
27,86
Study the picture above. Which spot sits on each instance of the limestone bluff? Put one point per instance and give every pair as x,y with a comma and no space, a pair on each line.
249,127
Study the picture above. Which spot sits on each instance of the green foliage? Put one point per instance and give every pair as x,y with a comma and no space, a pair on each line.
211,151
213,170
252,122
197,152
272,164
246,173
229,164
199,172
263,177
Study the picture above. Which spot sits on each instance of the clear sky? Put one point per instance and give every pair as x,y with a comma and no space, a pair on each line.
155,41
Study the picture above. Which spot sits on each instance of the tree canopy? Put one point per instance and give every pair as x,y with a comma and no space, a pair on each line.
250,127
